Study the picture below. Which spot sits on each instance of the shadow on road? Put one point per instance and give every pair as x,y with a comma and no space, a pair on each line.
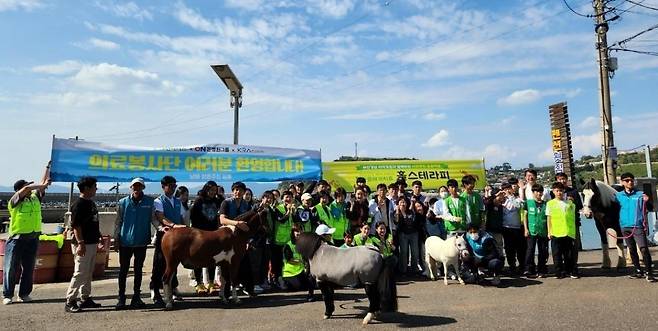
405,321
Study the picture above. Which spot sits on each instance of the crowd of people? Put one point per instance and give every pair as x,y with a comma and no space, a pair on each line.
509,224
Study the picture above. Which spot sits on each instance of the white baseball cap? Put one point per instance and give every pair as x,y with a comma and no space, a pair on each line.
307,196
138,180
323,229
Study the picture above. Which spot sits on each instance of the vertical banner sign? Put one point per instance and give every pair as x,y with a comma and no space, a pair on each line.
561,140
72,159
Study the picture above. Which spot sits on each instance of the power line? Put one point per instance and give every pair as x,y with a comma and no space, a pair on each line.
622,42
642,5
634,51
575,12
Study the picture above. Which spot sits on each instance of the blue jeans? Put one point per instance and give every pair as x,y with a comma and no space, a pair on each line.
19,253
408,244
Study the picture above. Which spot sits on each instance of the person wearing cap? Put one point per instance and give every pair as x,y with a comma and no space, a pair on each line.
169,213
632,218
23,241
132,234
306,216
325,232
322,186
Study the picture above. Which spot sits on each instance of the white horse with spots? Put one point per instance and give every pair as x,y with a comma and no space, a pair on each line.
446,252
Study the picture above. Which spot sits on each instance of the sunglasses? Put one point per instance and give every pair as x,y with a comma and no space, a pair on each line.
628,180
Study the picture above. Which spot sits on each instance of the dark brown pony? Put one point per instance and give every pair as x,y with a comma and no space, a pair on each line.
196,248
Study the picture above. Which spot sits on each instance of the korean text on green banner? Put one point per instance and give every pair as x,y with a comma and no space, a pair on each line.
431,173
72,159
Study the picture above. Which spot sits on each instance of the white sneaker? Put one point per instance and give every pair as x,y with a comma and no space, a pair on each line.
26,298
153,294
6,301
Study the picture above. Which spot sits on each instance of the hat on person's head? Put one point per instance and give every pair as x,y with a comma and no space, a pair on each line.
137,180
20,184
307,196
623,176
323,229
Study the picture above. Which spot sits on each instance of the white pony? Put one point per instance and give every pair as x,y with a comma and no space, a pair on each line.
446,252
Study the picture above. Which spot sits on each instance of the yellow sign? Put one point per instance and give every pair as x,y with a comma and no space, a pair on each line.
431,173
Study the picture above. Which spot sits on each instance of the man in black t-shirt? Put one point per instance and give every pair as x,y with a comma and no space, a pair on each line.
86,240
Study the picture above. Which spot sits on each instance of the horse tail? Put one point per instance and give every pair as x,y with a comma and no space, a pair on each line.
387,288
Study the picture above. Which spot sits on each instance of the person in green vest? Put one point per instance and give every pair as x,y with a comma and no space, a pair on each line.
23,241
306,216
383,240
294,269
536,232
474,204
339,221
285,213
321,212
363,237
455,213
348,240
561,220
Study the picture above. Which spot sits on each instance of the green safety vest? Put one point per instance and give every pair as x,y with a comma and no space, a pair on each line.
457,211
537,219
385,249
322,214
563,223
306,226
338,220
474,202
295,266
360,241
26,216
282,230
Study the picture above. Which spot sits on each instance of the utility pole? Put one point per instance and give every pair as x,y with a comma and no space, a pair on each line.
356,150
609,151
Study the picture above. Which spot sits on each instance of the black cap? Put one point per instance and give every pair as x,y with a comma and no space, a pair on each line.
360,180
20,184
622,177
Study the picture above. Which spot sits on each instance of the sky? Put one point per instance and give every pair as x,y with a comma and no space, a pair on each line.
433,80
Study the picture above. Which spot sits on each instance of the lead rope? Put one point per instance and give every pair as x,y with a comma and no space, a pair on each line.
644,224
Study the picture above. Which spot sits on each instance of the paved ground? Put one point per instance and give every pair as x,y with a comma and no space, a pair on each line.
600,300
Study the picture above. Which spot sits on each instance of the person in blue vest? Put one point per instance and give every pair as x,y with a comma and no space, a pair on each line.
23,241
632,218
230,209
132,234
169,214
485,255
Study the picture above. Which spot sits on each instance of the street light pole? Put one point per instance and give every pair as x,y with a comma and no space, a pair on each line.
232,83
609,152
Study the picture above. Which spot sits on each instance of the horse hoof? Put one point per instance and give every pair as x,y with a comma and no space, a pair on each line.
169,306
326,317
462,282
367,319
445,283
433,278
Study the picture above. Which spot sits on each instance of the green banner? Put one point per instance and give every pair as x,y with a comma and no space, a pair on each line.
432,173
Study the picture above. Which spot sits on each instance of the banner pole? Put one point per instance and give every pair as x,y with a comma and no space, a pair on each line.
71,189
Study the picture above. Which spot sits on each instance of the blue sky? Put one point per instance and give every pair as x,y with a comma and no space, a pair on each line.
425,79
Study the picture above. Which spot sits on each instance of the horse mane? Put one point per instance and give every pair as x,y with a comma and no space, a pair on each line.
307,243
607,193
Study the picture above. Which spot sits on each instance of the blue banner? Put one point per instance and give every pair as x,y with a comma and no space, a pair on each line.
72,159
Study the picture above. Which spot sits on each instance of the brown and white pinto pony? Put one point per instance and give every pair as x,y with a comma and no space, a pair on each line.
196,248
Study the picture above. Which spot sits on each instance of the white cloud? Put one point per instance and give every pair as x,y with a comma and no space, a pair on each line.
593,122
507,120
6,5
128,9
438,139
372,115
99,44
546,155
330,8
112,77
61,68
245,4
520,97
71,99
586,144
497,154
434,116
528,96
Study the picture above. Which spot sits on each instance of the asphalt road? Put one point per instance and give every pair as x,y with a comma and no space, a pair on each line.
602,300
